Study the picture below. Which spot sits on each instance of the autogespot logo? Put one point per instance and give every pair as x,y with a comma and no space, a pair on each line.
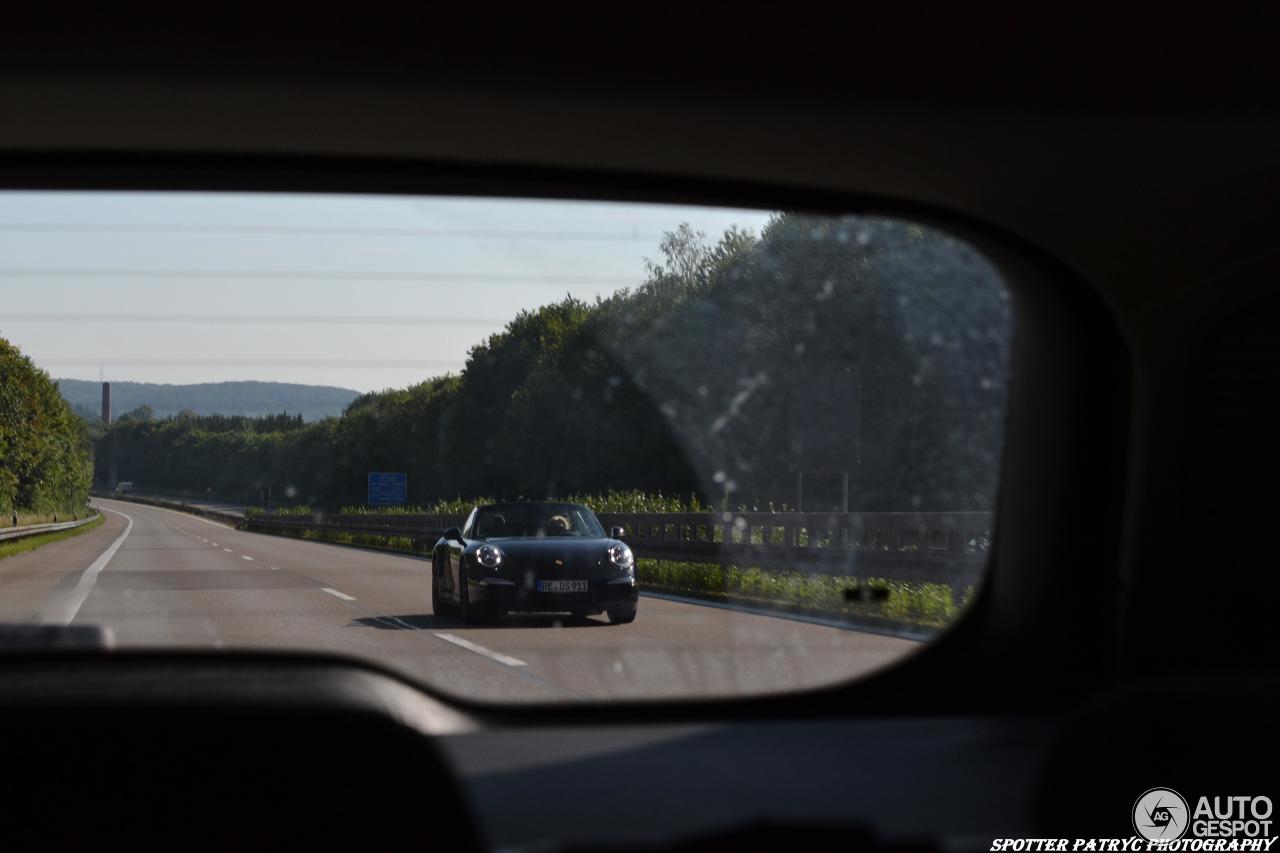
1160,814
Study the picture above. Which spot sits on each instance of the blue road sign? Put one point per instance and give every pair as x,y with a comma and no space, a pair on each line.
387,489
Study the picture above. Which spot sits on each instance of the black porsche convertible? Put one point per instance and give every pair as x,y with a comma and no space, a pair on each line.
541,557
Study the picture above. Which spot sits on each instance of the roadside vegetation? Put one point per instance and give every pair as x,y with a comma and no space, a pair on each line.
627,501
687,384
46,463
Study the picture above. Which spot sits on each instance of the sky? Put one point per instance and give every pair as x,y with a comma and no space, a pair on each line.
362,292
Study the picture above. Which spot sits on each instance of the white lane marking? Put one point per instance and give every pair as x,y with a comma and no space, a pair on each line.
62,615
243,557
275,568
337,594
481,650
228,550
214,544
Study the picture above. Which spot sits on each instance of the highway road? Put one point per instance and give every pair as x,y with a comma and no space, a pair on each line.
158,577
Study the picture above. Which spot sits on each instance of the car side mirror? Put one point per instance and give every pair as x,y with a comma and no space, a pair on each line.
455,534
617,532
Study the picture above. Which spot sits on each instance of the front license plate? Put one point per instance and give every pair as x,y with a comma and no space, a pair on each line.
562,586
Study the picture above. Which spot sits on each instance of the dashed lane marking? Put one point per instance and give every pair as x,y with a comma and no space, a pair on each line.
481,650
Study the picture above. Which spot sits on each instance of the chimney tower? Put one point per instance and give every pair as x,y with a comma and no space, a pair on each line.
106,402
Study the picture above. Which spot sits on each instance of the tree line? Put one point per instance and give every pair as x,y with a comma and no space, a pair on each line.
45,451
836,347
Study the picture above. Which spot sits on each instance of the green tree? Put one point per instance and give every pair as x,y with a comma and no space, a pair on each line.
45,454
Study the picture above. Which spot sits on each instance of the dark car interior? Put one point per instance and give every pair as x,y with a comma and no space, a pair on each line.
1122,169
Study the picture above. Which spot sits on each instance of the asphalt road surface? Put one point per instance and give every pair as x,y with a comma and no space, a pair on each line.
157,577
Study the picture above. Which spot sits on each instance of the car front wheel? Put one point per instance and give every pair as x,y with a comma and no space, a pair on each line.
622,615
438,606
467,611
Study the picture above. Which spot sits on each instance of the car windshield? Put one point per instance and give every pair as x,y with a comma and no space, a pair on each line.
515,521
260,421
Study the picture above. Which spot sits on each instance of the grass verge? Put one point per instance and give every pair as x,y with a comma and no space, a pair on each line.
30,543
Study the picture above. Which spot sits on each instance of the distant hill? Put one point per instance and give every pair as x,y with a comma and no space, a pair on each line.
313,402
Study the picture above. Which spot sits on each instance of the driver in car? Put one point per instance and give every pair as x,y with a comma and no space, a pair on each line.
557,525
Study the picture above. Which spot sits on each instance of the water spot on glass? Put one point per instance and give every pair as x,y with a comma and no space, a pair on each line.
985,383
719,477
702,390
916,500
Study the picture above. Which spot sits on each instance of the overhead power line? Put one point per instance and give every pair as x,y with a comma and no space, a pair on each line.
258,319
326,231
328,275
326,363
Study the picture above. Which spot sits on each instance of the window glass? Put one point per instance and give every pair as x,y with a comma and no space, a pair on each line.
716,452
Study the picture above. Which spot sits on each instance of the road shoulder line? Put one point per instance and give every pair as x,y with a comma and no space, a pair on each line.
66,612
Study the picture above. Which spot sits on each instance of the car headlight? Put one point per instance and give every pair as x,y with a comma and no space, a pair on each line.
621,556
488,556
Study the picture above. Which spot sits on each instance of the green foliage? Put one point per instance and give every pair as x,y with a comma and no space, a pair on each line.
256,511
629,501
45,453
637,501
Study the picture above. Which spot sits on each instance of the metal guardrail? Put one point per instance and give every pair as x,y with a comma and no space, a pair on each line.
26,530
203,512
936,547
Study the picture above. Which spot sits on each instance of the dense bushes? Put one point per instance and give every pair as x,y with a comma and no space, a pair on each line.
857,345
44,449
